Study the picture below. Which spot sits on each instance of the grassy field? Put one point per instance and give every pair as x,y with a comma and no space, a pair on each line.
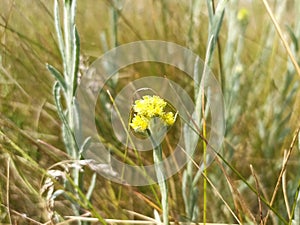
254,180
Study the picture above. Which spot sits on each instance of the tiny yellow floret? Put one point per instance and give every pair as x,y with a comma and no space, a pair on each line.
243,16
169,118
149,107
139,123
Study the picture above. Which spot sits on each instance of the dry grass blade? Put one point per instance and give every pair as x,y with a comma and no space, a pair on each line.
215,189
282,171
237,197
285,195
7,189
258,195
280,33
24,216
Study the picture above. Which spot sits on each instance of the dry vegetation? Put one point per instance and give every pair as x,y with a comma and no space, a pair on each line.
259,82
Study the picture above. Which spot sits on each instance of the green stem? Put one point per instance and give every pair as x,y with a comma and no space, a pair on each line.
67,50
204,160
204,184
160,174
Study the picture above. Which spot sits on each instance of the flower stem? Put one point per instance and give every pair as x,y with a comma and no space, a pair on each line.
160,174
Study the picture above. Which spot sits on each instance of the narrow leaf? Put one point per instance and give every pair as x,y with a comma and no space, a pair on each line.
67,132
57,193
91,187
77,122
59,33
216,26
76,55
293,37
85,145
60,111
58,77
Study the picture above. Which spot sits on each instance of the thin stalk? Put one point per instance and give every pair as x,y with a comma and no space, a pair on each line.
221,76
85,202
204,147
164,11
69,47
201,101
294,204
129,140
160,174
191,27
284,189
7,190
281,35
282,171
115,17
69,23
204,158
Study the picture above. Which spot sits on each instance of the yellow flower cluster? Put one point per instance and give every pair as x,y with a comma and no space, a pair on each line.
149,107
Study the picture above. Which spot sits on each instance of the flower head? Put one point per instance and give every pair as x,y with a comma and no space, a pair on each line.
149,107
243,16
169,118
139,123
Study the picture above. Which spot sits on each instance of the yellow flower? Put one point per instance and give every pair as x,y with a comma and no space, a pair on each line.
243,16
149,107
169,118
139,123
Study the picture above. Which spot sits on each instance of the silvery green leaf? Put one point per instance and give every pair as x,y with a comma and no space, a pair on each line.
157,217
59,77
91,187
57,193
85,145
59,33
76,56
